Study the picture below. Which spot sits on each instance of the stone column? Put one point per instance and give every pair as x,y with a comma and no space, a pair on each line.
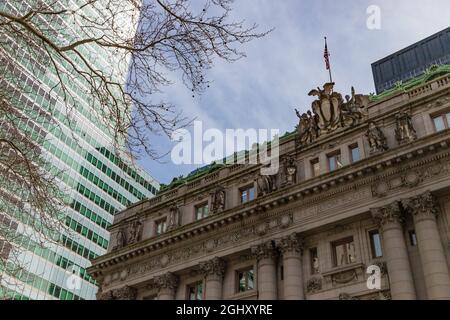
214,271
124,293
434,264
267,270
167,285
401,281
291,248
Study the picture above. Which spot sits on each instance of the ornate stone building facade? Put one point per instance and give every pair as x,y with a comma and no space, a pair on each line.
364,181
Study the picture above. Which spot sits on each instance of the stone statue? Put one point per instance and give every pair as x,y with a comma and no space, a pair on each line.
266,184
404,132
329,112
290,170
376,138
352,111
218,201
135,232
174,217
121,240
327,107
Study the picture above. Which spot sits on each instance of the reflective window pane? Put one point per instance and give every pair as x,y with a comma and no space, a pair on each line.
439,123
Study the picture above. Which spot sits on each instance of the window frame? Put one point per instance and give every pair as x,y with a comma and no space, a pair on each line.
444,115
245,272
313,162
372,243
195,286
333,155
340,242
247,189
354,147
159,222
201,207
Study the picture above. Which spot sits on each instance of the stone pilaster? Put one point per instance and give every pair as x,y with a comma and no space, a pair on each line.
435,269
214,271
267,272
167,285
390,220
291,248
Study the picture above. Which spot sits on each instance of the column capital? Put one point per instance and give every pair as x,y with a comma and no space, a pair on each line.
124,293
422,207
215,267
166,281
290,244
387,214
264,251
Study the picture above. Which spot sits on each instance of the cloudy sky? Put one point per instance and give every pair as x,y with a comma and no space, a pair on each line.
262,90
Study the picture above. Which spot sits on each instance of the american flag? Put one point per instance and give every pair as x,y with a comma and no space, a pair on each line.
326,55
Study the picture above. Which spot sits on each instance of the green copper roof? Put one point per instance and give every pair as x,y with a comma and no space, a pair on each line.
429,75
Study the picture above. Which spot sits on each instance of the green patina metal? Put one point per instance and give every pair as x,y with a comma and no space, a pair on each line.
430,74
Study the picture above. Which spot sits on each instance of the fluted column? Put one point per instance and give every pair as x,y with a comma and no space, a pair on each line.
434,264
267,270
401,281
167,285
214,271
291,248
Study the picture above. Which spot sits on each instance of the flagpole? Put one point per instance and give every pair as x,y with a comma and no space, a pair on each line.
328,59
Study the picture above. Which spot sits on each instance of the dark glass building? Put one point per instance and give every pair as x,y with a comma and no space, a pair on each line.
412,61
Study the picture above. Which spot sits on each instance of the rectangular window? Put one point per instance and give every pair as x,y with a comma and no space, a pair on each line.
245,280
247,194
160,226
355,153
442,122
334,161
344,252
413,238
375,244
314,261
195,291
315,167
201,211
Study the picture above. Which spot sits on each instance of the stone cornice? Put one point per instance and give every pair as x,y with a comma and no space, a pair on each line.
349,178
213,179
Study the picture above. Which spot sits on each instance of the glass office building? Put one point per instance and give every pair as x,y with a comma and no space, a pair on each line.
96,182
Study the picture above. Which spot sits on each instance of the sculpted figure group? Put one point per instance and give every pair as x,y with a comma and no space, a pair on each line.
330,112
